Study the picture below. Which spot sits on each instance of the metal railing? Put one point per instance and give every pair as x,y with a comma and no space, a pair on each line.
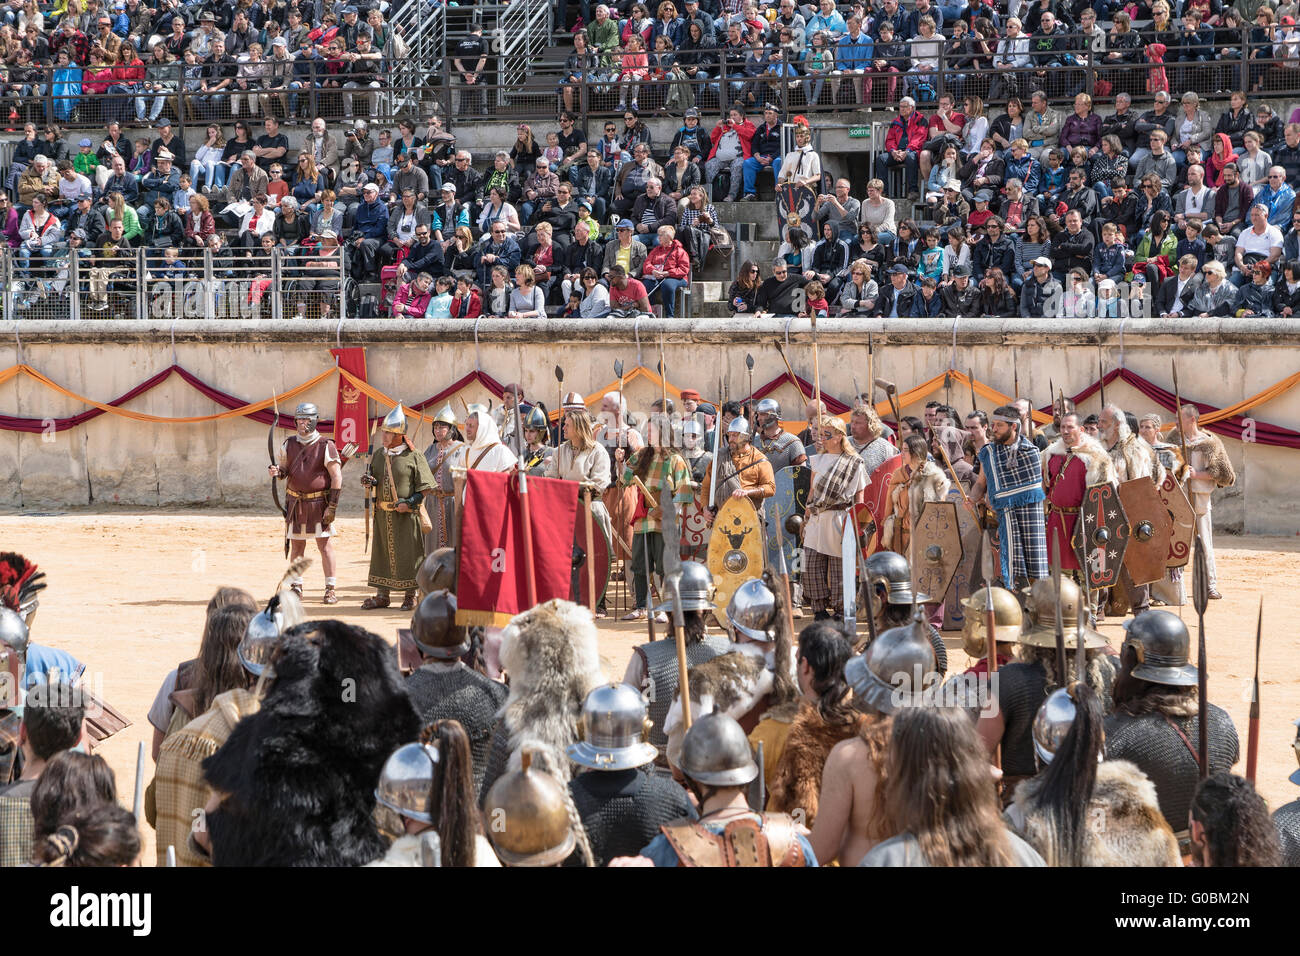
524,31
81,283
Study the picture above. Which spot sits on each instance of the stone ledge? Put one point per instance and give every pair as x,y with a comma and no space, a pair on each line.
1258,333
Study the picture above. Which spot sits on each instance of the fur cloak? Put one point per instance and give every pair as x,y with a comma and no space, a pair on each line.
1134,458
736,683
1101,470
1125,825
551,656
299,775
798,780
1219,467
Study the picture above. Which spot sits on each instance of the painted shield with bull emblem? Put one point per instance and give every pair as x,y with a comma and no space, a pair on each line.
1101,535
1149,532
1183,517
954,615
791,498
936,546
735,551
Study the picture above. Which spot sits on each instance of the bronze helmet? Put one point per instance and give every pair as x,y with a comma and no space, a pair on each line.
527,817
434,628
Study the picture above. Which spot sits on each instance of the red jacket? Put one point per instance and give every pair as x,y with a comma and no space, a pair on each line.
468,307
671,258
410,301
746,131
910,134
132,72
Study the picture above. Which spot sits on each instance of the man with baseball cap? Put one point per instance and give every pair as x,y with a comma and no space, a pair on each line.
1041,295
369,234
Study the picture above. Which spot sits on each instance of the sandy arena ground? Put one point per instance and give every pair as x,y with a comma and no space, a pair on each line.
127,595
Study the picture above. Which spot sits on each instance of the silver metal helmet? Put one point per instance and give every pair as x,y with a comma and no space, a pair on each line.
890,570
446,416
406,781
307,410
768,406
574,402
536,418
395,421
715,751
14,637
1054,719
696,586
692,427
752,611
263,632
614,730
895,668
1163,649
738,426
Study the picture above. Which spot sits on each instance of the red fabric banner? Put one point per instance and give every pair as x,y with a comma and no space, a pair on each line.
491,586
350,412
833,405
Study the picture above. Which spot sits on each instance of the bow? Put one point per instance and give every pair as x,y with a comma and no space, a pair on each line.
270,451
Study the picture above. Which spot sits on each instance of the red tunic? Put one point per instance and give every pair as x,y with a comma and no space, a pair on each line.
1064,496
308,485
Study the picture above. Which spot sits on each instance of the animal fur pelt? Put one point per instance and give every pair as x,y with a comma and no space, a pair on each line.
1134,458
299,775
551,655
798,780
735,682
1219,466
1101,470
1125,825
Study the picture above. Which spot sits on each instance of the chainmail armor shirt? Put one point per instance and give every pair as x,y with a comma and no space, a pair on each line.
622,810
1287,821
461,694
1155,747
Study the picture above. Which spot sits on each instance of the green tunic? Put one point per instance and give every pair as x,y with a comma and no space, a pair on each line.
398,547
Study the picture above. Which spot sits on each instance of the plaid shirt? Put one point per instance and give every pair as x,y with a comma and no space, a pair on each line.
17,827
179,785
1015,473
670,469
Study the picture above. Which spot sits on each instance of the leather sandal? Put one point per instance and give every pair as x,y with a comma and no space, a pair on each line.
374,602
330,596
296,589
408,604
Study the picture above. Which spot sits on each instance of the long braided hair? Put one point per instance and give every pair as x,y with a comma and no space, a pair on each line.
1068,782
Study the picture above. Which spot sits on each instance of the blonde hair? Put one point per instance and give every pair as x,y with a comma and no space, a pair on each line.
525,271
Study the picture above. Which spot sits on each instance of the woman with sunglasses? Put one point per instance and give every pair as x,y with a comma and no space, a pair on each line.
234,148
742,297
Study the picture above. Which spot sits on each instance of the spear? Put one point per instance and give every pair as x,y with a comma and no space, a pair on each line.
717,448
679,635
559,409
138,803
1200,598
891,392
871,369
1060,625
789,371
817,379
1051,395
947,388
990,625
1015,377
1101,377
1182,439
1252,741
974,402
749,364
530,575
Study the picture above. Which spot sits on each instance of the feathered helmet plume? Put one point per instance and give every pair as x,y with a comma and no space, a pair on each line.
20,582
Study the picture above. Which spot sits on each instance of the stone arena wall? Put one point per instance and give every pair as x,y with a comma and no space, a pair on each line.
111,461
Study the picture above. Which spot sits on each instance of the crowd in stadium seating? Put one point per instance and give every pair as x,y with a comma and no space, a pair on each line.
991,196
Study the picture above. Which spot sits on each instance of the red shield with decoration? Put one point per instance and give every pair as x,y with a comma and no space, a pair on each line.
874,498
1101,536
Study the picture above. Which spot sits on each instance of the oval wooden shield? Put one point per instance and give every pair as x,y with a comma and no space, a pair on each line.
1184,522
598,556
936,545
791,498
878,490
866,521
1150,528
735,551
954,615
1101,535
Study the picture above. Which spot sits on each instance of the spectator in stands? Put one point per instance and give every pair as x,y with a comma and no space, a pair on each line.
765,152
1041,295
777,293
370,232
1278,197
632,177
500,249
1215,296
853,56
819,63
878,211
627,296
1261,242
742,296
1042,126
906,138
839,210
897,299
666,269
732,142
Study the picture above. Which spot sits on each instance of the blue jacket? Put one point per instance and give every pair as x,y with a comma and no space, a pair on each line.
1027,170
372,220
1110,261
1280,202
921,309
853,54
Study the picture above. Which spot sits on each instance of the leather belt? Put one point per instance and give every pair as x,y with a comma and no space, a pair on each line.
1063,510
443,494
308,496
387,505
